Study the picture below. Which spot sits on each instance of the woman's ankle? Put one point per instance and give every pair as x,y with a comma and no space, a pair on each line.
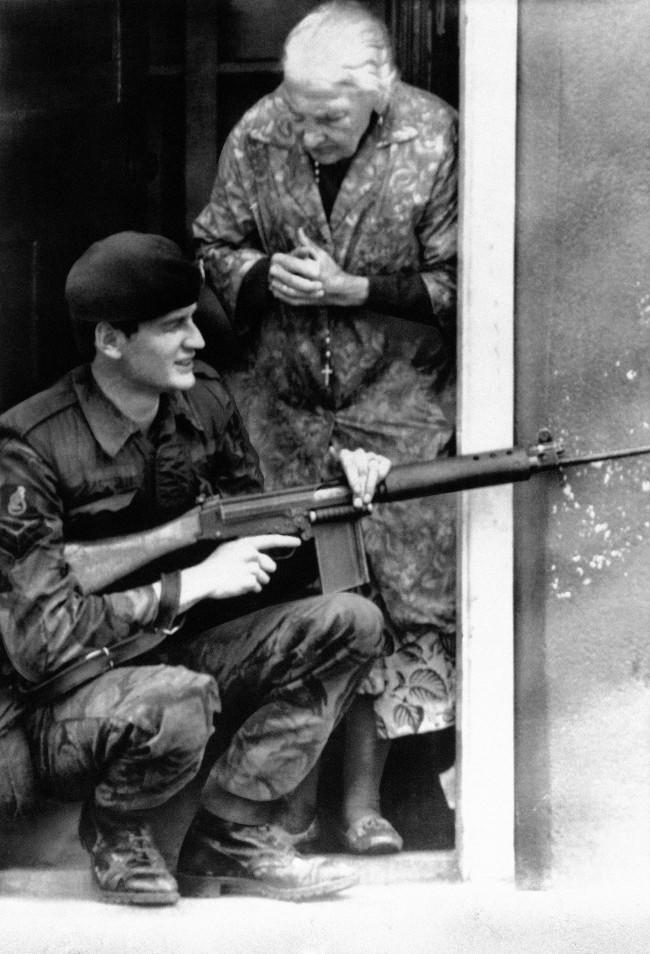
353,812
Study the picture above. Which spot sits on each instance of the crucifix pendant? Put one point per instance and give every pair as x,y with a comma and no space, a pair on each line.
327,369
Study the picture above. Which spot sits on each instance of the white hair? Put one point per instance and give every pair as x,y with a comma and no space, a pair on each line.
343,42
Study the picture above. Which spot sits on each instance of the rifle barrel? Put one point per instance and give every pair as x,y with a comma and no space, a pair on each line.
609,455
487,469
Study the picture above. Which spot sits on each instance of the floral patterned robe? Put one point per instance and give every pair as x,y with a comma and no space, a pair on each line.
391,391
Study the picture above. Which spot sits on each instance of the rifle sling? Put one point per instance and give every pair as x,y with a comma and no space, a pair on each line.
90,666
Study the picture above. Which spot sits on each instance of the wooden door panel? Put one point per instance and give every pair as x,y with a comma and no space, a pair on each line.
73,164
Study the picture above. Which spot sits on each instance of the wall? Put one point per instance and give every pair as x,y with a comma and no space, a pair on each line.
582,347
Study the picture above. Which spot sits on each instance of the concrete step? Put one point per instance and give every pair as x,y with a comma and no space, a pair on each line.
72,880
42,857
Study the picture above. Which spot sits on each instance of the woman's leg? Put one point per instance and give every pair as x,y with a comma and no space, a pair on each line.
298,813
364,830
363,762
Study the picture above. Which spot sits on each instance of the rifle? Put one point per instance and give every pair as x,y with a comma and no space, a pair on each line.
323,513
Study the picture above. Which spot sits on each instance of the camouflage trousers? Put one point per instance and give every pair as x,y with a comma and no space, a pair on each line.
276,682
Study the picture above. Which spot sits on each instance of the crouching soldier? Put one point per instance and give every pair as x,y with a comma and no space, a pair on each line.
120,445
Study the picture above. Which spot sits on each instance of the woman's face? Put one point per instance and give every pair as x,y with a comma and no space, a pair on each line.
331,119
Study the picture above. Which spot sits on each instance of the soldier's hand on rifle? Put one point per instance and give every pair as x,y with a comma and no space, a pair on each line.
363,470
234,568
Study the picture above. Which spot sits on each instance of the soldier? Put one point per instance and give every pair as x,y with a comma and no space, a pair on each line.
119,445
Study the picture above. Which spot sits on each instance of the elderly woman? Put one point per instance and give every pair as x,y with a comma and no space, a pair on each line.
330,239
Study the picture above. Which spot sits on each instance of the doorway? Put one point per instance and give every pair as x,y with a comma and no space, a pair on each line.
128,137
242,46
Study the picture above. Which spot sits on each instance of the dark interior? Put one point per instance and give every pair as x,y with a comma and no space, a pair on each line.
113,114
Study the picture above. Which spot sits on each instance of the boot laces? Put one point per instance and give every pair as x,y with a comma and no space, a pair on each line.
140,847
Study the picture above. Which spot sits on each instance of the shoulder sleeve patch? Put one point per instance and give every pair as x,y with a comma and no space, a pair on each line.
21,523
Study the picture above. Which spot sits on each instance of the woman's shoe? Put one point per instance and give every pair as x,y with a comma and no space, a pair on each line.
370,835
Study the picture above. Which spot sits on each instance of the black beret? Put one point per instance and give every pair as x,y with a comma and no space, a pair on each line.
131,277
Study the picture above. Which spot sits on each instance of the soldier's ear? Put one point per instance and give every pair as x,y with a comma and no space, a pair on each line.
109,340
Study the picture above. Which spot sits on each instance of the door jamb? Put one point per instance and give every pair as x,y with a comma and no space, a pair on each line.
485,815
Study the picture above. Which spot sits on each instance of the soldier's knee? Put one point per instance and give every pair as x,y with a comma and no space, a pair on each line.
157,736
178,709
362,620
199,701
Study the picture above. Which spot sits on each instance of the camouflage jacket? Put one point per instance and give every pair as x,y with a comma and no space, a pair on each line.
78,469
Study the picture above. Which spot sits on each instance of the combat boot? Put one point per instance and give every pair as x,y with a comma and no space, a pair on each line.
125,864
219,856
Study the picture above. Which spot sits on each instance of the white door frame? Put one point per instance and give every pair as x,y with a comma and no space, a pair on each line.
485,819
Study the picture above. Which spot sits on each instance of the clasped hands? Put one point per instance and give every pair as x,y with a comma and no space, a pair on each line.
309,276
244,565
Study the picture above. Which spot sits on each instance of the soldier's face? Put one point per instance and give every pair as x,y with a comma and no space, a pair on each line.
160,355
330,118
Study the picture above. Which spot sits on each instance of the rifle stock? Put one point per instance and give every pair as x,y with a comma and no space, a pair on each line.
323,512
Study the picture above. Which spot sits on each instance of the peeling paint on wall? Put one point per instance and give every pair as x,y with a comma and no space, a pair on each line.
602,513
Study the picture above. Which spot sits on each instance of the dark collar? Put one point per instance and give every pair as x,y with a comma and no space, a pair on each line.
112,429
